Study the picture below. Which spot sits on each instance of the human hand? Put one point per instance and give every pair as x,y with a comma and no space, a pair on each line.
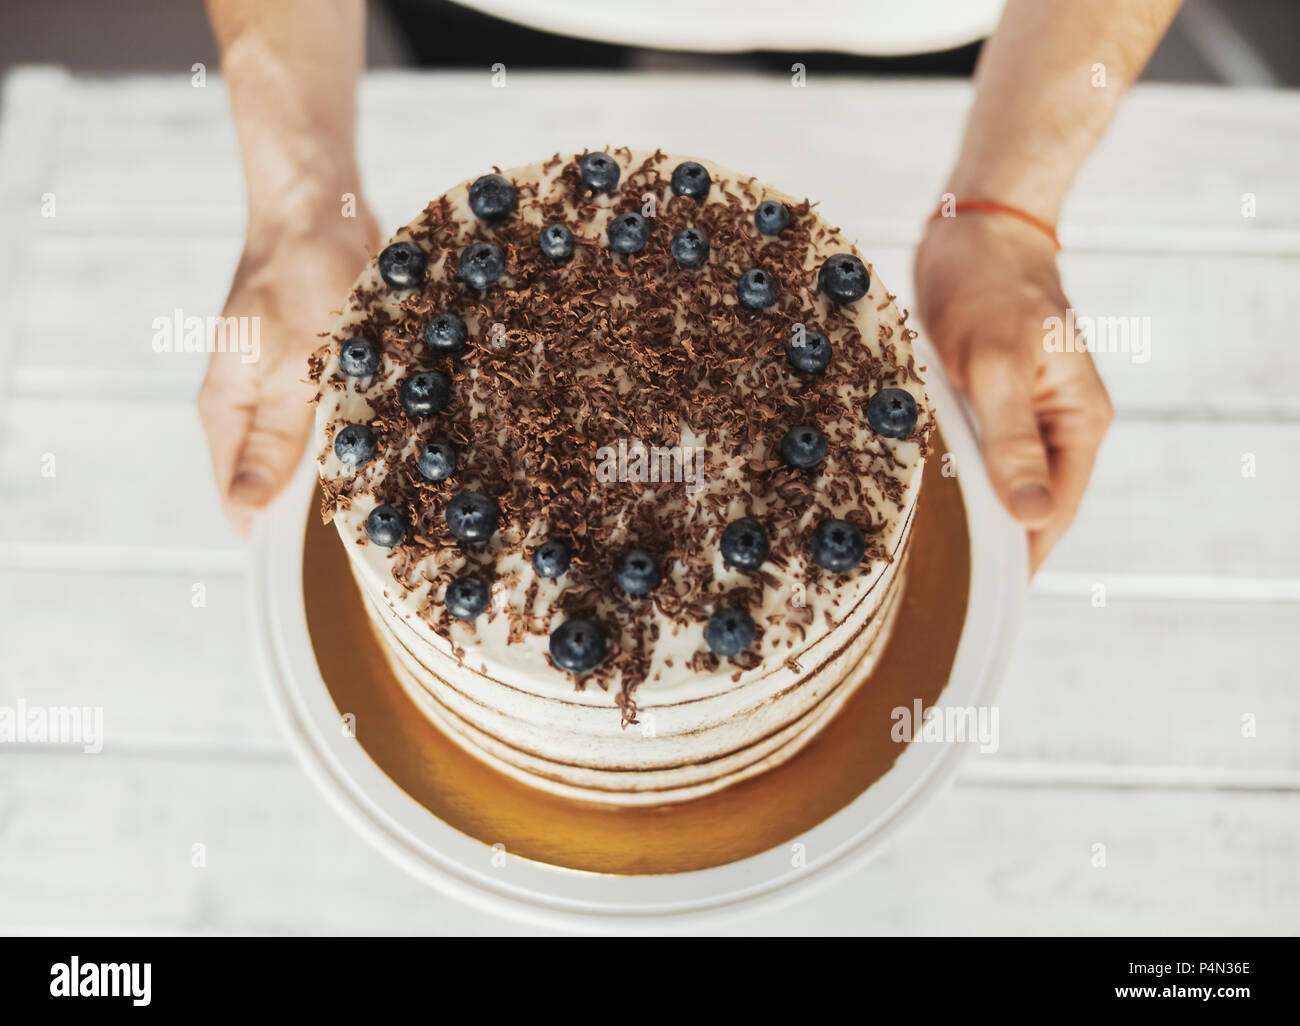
257,415
984,286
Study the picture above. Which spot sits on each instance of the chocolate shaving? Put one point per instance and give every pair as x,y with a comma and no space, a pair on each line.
564,359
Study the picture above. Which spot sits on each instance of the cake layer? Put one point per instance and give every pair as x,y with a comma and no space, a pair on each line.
635,786
670,735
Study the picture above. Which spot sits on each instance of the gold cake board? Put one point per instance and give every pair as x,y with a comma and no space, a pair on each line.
852,752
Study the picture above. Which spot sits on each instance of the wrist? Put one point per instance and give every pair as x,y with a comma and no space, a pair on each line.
304,223
1037,192
306,202
297,145
953,206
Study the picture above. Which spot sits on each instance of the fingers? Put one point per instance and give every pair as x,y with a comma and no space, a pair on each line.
1074,418
1001,385
226,404
257,419
984,291
271,451
256,407
1071,470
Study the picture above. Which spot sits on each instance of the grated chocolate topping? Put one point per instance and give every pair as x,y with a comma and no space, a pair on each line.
564,360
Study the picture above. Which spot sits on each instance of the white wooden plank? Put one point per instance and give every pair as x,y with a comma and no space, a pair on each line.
1034,773
148,152
1169,587
1018,862
1145,688
124,474
1220,329
1139,684
31,101
118,172
1221,337
1153,169
102,336
116,558
102,340
168,657
1169,497
117,855
978,860
1207,358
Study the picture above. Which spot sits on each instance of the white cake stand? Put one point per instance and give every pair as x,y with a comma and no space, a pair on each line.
553,897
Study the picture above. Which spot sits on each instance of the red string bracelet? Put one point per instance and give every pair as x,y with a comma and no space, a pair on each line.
994,207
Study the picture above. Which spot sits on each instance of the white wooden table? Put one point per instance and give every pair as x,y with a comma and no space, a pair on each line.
1120,725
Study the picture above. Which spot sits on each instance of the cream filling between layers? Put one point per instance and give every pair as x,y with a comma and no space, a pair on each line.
846,672
569,730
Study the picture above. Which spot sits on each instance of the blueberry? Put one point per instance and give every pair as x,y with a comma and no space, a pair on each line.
551,558
837,546
557,242
354,445
628,233
756,289
637,572
598,172
446,333
803,447
691,179
481,264
425,393
385,526
402,265
812,355
771,217
466,597
358,358
844,278
437,461
690,247
730,631
892,412
744,544
492,198
577,646
472,516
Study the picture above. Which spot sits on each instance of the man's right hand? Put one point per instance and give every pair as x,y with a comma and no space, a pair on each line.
257,415
985,286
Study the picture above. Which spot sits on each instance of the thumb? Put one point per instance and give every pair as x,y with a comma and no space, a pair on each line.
1001,385
227,403
271,450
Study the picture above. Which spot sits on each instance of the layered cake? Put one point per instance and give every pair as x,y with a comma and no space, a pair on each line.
624,449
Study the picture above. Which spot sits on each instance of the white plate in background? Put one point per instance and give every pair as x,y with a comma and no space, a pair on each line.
884,28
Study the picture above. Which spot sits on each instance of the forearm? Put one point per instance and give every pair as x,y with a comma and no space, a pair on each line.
1038,112
292,68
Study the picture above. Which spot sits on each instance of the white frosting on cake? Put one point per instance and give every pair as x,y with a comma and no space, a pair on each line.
701,722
